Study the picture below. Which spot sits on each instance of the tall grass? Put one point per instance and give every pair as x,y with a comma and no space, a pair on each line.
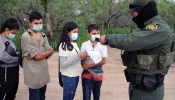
83,36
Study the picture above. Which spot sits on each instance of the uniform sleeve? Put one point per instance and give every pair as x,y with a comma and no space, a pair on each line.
27,46
46,43
143,39
5,57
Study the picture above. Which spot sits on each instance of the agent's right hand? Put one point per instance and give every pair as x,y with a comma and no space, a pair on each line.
82,55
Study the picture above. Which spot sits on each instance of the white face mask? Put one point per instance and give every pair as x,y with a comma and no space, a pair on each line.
93,37
37,28
74,36
11,36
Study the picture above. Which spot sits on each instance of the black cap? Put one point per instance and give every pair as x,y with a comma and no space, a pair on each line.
137,4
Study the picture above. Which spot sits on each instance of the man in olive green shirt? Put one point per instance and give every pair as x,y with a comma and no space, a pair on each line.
146,51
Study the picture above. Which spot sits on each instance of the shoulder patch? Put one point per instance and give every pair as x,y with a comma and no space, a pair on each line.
152,27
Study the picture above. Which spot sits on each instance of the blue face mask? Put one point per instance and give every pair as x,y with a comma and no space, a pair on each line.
37,28
11,36
74,36
93,37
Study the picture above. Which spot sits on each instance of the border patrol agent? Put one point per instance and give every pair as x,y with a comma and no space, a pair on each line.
148,53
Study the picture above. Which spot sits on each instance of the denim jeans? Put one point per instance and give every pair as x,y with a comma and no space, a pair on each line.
37,94
69,87
91,85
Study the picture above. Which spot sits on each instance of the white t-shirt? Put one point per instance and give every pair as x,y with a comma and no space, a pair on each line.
87,46
75,69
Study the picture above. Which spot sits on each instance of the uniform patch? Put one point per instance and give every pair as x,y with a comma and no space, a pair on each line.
151,27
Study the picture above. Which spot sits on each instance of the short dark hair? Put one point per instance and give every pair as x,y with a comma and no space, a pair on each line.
35,16
10,23
93,27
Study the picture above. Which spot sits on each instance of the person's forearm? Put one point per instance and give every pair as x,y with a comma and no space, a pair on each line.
140,40
42,55
6,58
102,62
65,62
91,72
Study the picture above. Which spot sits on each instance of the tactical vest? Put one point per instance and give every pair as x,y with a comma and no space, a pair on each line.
146,72
150,64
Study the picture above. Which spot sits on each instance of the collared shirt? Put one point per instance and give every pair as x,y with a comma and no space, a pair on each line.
36,74
88,46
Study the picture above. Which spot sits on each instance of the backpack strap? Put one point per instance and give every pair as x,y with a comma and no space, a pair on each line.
7,43
30,33
43,35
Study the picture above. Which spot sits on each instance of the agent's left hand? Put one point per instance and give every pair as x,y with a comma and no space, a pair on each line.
102,40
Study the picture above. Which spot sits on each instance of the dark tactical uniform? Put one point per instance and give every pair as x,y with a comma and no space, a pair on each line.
148,54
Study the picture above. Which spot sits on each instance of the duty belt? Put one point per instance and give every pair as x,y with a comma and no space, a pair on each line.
145,82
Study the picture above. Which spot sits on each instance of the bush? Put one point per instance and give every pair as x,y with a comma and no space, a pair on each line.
83,36
17,39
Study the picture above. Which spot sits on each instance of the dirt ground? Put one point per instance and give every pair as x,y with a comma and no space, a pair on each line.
114,86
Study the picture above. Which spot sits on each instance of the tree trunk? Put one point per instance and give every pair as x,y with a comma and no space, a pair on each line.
48,21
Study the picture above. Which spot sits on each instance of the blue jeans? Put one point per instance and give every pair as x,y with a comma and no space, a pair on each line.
69,87
37,94
91,85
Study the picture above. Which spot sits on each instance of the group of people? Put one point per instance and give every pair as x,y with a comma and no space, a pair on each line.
148,54
35,50
72,60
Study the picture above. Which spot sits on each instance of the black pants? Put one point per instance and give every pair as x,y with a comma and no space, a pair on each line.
9,80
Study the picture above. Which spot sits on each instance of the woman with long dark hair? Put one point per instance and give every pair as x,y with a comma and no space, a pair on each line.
70,59
9,60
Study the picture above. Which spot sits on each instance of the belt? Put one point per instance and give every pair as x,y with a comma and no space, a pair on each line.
147,83
99,71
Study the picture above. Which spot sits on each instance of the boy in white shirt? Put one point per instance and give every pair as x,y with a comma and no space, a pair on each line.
92,75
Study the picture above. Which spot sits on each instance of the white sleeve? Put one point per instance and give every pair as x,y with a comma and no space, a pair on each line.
66,60
69,61
83,48
104,52
62,52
